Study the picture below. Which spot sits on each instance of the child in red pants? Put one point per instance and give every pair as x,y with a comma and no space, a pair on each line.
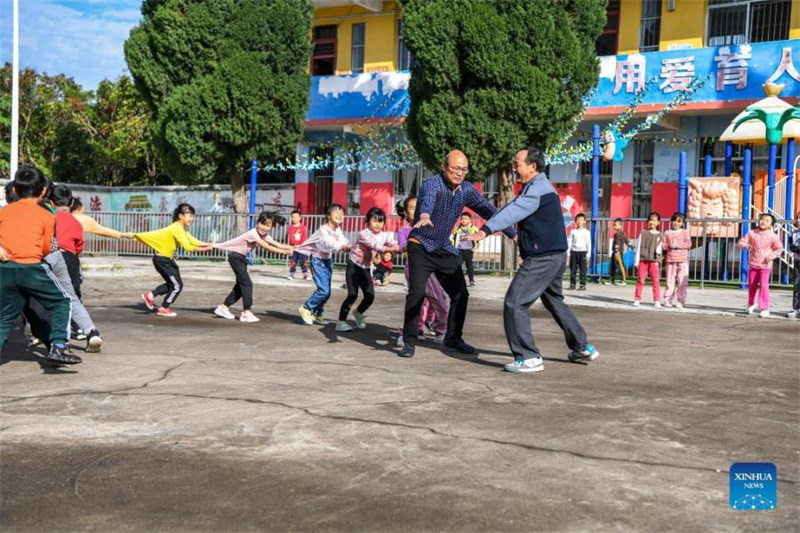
764,246
648,259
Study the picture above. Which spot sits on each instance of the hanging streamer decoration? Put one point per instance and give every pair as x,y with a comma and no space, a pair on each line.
386,147
561,154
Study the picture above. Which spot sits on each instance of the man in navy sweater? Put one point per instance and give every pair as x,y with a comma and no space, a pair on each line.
441,201
542,245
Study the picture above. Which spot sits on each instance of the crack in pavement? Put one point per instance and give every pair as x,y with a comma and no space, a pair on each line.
164,375
530,447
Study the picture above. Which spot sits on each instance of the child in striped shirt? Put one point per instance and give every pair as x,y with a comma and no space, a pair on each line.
764,246
321,245
165,242
370,240
237,249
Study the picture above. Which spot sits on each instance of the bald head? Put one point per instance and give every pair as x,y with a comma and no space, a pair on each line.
455,168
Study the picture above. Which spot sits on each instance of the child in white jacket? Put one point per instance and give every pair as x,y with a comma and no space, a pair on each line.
579,247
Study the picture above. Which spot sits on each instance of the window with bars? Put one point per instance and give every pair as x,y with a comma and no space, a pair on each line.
357,48
650,27
606,44
747,21
404,57
323,55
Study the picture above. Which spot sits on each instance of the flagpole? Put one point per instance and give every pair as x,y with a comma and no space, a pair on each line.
14,91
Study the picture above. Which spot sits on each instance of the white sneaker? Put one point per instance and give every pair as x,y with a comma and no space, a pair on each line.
657,305
764,313
343,326
400,342
679,305
522,366
752,309
438,339
248,316
793,313
361,322
667,304
224,312
290,276
636,303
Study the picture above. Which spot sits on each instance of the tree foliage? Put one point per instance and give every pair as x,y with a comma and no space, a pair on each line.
5,134
501,75
80,136
226,81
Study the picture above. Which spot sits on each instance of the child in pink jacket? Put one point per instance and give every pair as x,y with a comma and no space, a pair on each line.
764,246
677,243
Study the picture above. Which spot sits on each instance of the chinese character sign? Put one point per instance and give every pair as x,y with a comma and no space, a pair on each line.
735,72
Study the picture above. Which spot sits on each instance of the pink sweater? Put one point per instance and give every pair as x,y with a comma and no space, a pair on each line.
764,246
367,243
677,244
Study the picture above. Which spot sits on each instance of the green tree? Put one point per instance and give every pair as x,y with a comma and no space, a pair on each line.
122,145
5,135
501,75
226,81
54,112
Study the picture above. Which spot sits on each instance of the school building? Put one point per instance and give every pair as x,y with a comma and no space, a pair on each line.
360,70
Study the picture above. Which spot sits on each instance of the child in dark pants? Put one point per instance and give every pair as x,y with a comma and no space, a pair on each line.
465,246
579,247
619,245
26,232
383,269
237,249
371,240
298,233
165,242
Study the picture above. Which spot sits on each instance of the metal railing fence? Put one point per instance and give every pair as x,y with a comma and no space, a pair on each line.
714,257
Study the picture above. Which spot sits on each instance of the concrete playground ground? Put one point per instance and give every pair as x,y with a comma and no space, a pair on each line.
196,423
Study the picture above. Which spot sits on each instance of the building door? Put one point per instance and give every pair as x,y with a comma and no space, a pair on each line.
322,179
604,193
642,198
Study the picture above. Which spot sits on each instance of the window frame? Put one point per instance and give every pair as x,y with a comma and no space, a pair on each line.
355,47
642,19
748,26
325,40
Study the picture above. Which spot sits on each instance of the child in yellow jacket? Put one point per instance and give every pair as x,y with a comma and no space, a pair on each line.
165,242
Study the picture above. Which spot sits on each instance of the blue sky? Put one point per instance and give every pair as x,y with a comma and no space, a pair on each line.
81,38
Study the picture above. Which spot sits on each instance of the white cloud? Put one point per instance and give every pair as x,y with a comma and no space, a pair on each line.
82,39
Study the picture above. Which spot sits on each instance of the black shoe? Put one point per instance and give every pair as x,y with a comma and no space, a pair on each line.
407,350
93,342
460,345
60,355
571,288
582,288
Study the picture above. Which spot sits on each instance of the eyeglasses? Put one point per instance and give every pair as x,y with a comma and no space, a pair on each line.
458,170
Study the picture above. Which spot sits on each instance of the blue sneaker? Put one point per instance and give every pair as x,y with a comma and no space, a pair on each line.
521,366
589,353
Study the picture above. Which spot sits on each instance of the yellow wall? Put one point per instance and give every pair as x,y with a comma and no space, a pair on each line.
794,24
629,17
686,25
380,45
